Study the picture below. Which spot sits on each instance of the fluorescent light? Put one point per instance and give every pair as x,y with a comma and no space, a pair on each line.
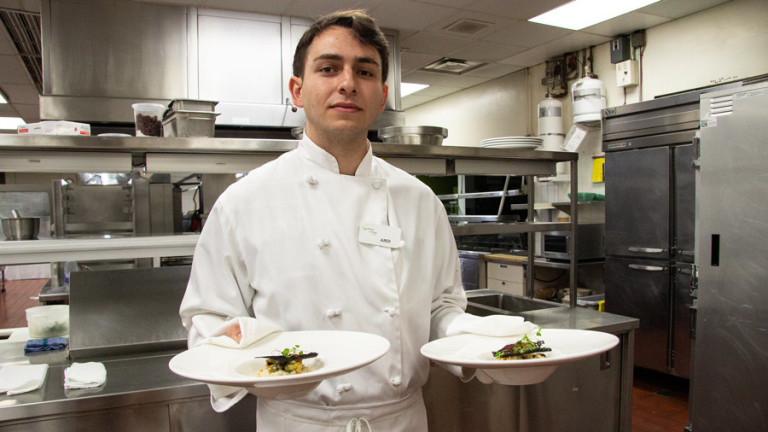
410,88
10,123
3,100
578,14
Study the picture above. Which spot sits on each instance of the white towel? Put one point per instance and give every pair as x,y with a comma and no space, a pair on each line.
491,325
15,379
252,330
85,375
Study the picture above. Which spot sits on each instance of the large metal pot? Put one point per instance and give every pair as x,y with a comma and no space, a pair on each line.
21,228
423,135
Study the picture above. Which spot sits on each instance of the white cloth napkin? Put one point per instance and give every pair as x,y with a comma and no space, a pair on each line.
85,375
15,379
252,330
491,325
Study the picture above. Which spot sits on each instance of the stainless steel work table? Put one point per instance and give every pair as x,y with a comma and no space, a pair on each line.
145,382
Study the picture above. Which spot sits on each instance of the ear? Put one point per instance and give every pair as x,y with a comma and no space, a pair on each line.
295,86
384,93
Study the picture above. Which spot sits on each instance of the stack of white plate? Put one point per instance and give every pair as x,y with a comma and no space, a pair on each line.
517,142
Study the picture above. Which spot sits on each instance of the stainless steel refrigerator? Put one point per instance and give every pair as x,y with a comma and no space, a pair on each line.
649,225
729,383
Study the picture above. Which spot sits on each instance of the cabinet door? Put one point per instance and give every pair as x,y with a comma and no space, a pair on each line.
240,58
637,214
640,289
684,203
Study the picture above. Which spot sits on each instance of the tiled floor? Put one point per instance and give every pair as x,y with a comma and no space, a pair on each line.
16,299
660,402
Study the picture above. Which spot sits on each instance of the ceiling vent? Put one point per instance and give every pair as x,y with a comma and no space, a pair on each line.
467,26
452,66
24,30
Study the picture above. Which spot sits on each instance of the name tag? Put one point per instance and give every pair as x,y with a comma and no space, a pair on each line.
379,235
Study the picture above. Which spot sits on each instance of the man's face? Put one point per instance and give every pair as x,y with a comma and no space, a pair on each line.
341,92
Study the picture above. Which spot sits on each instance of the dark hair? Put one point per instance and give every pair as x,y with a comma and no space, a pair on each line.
365,29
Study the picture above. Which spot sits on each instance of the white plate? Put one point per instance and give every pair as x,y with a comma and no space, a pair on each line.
339,352
474,351
510,146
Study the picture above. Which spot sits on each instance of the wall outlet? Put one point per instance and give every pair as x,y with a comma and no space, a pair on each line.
627,74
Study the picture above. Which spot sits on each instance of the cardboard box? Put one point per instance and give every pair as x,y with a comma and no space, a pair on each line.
57,127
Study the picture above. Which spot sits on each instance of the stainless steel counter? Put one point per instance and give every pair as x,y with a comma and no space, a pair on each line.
146,381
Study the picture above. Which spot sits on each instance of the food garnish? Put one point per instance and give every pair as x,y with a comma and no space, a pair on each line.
523,349
289,361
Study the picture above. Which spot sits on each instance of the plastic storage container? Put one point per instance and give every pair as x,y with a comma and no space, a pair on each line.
48,321
149,119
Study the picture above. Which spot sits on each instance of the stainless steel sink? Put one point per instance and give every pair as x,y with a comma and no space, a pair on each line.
488,302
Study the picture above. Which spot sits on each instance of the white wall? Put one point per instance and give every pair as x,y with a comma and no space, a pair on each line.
725,43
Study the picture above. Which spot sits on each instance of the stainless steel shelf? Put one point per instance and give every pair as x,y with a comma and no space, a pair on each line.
508,228
475,195
83,249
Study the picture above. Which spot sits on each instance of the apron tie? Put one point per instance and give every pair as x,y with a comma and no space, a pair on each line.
356,425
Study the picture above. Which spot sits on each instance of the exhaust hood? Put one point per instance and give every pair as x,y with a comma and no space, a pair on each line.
101,56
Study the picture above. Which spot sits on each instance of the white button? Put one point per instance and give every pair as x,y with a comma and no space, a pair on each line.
333,313
391,311
377,184
341,388
311,180
396,381
322,243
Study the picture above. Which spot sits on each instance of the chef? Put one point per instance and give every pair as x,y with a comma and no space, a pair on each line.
330,237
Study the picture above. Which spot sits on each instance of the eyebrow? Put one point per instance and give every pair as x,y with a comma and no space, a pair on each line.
337,57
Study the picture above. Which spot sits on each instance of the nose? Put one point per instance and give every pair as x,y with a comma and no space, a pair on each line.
347,81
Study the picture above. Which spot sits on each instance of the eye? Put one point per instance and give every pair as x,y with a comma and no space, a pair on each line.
327,69
367,73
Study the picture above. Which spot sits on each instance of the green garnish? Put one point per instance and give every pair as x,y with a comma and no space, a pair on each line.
293,351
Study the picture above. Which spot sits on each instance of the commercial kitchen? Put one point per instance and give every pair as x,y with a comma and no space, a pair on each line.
605,176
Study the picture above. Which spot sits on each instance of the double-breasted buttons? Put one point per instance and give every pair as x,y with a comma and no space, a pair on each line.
323,243
377,184
391,311
311,180
333,313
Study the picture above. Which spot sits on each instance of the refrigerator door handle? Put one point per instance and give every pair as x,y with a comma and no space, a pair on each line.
646,267
646,250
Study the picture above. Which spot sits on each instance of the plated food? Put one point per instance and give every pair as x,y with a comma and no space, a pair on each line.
524,349
290,361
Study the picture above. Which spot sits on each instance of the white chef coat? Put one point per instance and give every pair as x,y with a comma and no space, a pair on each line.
282,245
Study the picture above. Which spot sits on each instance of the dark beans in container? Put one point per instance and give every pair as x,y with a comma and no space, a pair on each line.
149,125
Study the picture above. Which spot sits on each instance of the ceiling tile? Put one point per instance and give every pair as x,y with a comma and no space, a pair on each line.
625,24
414,100
494,70
447,3
573,42
31,6
30,113
410,61
437,91
422,77
680,8
487,52
464,81
408,15
433,43
518,9
264,7
22,93
496,22
12,71
527,34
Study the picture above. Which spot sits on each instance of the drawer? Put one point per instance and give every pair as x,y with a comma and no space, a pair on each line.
504,271
508,287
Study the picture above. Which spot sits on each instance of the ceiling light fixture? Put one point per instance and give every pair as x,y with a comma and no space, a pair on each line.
579,14
410,88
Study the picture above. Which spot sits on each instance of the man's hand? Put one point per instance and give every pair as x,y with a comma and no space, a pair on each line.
234,332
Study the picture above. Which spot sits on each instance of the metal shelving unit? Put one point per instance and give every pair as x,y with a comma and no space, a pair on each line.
74,154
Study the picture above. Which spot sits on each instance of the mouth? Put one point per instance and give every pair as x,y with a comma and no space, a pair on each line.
346,107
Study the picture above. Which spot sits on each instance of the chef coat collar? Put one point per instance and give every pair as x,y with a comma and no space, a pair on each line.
318,155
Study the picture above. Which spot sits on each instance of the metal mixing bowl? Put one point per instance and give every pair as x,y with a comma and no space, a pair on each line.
24,228
420,135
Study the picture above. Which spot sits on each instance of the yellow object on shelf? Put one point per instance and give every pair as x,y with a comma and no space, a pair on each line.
598,173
